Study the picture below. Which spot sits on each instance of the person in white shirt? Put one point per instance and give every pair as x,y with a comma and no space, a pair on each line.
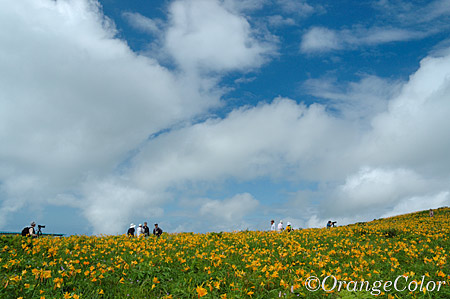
31,230
280,226
272,226
139,231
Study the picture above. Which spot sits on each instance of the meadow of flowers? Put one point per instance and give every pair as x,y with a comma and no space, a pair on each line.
247,264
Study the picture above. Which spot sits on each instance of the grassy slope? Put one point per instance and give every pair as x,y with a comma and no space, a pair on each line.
241,265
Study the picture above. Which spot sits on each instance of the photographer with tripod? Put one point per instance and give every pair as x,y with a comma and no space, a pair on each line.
331,224
30,231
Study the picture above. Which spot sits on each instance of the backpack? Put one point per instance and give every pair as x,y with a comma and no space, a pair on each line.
25,231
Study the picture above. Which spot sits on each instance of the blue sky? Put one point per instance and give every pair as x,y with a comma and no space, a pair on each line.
220,115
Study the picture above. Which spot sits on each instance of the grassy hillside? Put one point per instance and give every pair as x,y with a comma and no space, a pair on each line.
400,257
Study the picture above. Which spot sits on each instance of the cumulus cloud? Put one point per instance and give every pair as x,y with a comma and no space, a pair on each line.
228,213
419,203
77,107
76,103
320,39
403,155
413,130
371,188
204,36
75,100
366,169
108,204
267,140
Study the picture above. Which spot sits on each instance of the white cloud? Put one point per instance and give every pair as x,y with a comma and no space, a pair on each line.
204,36
228,214
320,39
413,131
278,21
108,205
74,100
375,188
280,139
420,203
301,8
143,23
354,100
405,150
435,9
410,13
244,5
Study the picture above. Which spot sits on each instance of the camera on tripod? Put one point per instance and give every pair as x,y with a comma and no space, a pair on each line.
39,232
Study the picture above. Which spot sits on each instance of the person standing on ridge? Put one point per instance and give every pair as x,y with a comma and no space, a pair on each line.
146,229
139,231
157,231
280,226
272,226
288,227
130,232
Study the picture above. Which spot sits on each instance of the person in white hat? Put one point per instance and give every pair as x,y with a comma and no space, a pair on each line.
139,231
280,226
130,232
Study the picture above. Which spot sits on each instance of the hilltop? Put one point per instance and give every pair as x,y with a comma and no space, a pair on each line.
404,256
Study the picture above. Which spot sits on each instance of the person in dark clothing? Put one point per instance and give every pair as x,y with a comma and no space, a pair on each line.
131,230
157,231
146,230
331,224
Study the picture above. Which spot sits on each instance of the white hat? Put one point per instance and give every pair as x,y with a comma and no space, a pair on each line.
288,223
132,225
140,224
281,221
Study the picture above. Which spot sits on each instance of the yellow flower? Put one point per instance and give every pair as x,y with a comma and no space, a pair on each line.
100,292
58,281
201,292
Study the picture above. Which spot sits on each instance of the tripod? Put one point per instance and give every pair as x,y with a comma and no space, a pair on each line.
39,232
